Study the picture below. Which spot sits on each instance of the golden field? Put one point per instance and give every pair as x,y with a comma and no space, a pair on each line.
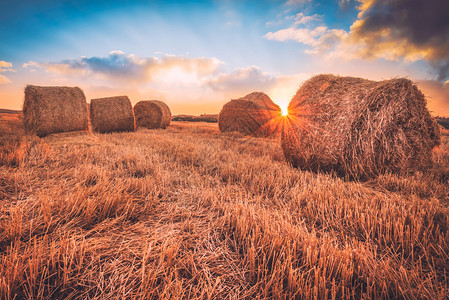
188,212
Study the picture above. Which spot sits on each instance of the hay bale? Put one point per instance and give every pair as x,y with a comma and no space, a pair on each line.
359,128
112,114
53,109
255,114
152,114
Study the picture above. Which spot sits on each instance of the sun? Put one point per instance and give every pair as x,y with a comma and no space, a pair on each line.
284,110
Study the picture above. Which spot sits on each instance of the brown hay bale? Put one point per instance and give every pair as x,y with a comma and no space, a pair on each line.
255,114
359,128
112,114
53,109
152,114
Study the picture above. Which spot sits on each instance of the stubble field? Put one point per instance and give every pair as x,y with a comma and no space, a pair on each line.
188,212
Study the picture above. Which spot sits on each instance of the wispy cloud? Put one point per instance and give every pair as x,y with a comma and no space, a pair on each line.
5,67
242,80
296,2
300,18
343,3
4,80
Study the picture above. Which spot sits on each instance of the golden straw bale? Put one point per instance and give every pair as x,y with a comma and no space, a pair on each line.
53,109
112,114
255,114
152,114
359,128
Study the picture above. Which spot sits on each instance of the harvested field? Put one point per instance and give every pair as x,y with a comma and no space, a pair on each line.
189,212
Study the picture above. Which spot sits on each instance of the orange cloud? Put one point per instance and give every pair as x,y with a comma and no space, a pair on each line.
5,67
131,68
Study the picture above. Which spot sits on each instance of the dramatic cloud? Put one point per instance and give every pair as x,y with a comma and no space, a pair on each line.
132,68
407,30
413,29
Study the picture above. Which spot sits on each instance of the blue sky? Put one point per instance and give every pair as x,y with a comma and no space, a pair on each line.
196,55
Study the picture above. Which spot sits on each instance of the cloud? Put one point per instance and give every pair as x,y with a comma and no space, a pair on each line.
194,84
343,3
5,67
300,18
4,80
412,29
297,2
321,39
130,68
241,80
301,35
408,30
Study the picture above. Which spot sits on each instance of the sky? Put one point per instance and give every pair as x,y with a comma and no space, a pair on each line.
197,55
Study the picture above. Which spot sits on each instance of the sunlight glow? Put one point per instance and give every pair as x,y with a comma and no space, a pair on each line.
284,110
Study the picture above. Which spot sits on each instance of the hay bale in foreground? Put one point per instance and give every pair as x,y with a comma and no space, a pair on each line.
112,114
255,114
53,109
152,114
359,128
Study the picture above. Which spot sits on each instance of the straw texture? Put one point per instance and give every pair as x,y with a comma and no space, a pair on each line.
253,114
112,114
52,109
152,114
359,128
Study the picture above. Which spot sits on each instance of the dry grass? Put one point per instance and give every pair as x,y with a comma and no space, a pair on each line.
204,215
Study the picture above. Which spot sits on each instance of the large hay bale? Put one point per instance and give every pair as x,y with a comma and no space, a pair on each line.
53,109
112,114
359,128
152,114
255,114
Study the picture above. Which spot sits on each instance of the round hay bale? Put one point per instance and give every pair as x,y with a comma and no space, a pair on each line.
112,114
255,114
152,114
53,109
359,128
